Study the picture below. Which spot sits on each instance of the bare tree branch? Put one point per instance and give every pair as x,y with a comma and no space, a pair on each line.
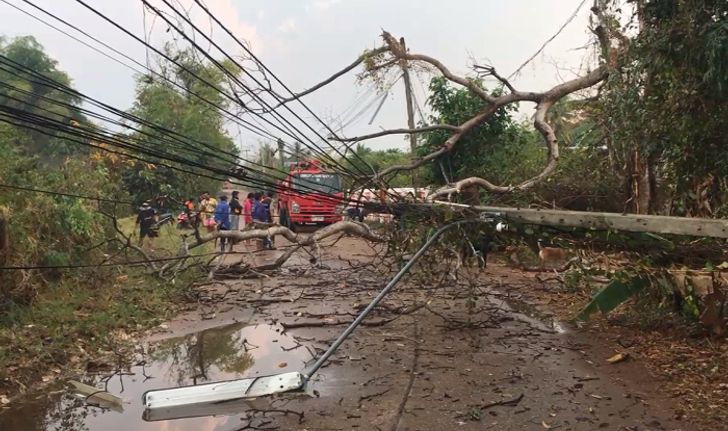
446,146
398,51
545,101
490,71
333,77
127,242
298,240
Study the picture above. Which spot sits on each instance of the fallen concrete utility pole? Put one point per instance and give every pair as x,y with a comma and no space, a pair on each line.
712,228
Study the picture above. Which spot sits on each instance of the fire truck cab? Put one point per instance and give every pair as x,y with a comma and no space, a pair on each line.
310,195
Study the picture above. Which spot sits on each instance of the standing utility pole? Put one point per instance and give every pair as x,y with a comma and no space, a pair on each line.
410,110
298,151
281,154
408,98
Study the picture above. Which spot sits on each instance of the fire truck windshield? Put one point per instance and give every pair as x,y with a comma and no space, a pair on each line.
318,182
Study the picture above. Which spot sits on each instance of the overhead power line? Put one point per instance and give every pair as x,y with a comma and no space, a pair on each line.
255,129
69,195
237,80
125,115
549,40
56,85
192,73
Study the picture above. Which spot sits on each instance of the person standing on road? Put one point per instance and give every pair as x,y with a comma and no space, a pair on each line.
236,210
268,203
248,209
260,215
189,208
222,218
209,205
146,219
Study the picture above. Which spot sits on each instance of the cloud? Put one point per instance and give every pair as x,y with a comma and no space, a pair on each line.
288,25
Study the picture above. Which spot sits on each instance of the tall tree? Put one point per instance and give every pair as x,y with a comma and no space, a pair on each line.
199,124
26,64
480,152
666,108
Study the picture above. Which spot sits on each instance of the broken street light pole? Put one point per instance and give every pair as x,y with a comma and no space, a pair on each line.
201,400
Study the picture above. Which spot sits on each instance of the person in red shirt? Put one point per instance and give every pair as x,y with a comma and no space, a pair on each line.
248,209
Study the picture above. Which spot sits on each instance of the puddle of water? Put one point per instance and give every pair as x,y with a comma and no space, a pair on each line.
224,353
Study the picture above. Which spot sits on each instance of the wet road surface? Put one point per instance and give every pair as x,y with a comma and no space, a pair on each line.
455,359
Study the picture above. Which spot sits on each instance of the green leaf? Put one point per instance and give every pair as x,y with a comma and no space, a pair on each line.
612,295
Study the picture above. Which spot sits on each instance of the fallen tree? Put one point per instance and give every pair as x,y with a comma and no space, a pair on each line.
297,240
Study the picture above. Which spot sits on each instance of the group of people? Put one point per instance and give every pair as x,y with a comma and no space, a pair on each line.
218,214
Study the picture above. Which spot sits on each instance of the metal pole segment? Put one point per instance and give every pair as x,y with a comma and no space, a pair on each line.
344,335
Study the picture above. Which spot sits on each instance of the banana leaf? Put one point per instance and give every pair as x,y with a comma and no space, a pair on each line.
612,295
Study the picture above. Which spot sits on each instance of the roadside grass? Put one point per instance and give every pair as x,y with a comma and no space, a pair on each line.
88,315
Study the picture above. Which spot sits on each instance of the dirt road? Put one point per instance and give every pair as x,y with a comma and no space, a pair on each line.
461,357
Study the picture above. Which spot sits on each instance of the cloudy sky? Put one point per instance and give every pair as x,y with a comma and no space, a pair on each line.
303,41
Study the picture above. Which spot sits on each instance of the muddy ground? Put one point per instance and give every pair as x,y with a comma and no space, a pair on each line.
464,356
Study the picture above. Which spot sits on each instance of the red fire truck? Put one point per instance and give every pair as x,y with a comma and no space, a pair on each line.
310,195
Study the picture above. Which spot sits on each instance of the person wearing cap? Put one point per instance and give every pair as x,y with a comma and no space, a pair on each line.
145,219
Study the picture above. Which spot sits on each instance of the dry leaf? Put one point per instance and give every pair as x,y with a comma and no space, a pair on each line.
4,399
619,357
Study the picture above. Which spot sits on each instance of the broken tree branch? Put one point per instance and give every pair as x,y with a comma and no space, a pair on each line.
298,240
490,71
349,227
359,60
399,52
544,102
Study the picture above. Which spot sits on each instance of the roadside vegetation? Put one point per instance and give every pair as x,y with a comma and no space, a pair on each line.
63,299
650,140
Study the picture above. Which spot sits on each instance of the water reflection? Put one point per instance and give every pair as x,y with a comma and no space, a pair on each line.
220,350
224,353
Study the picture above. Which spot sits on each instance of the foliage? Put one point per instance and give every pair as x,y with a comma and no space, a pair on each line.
667,100
507,152
69,325
567,187
49,229
494,149
202,126
367,159
613,294
20,89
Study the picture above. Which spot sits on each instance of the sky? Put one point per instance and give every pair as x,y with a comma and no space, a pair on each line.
304,41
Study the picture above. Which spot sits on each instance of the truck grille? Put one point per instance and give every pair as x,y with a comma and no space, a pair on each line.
317,209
